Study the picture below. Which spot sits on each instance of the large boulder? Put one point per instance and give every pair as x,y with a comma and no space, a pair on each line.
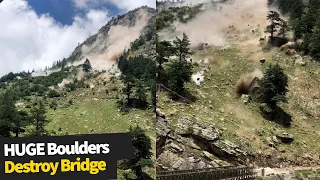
225,148
204,132
160,114
245,98
285,137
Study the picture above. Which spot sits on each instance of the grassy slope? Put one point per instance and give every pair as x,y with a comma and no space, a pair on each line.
97,113
217,103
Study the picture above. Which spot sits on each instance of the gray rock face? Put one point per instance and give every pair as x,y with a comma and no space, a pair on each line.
192,145
201,131
176,147
225,148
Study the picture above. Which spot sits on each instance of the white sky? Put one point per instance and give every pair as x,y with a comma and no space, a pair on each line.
29,41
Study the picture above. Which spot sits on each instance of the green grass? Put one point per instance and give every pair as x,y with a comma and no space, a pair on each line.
95,116
96,113
307,174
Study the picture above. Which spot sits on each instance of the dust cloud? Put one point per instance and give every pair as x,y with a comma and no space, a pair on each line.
105,50
64,83
243,84
198,78
235,21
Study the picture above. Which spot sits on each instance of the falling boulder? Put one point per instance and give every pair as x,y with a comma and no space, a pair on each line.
285,138
245,98
287,46
299,43
299,60
270,142
160,114
291,52
249,84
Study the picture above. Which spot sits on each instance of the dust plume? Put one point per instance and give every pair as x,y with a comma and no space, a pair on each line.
64,83
44,73
235,21
198,78
243,84
80,74
105,50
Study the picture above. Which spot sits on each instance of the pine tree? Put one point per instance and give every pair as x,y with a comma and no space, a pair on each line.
128,81
297,9
274,86
315,41
285,6
179,73
308,20
283,28
123,64
87,66
164,51
7,113
181,47
314,5
19,123
141,91
142,151
298,28
38,114
274,19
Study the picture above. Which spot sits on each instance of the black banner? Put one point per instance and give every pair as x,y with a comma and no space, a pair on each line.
64,157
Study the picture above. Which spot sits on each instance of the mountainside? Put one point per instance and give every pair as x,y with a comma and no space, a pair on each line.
116,36
211,125
84,93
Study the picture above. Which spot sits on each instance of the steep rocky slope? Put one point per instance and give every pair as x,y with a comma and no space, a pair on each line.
112,39
219,128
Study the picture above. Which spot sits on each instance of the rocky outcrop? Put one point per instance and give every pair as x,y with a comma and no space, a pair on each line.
192,145
98,42
225,148
201,131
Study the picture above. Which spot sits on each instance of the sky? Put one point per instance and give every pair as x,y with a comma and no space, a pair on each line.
35,33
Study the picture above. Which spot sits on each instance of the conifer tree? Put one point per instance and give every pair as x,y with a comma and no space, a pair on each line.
87,66
181,47
315,41
274,19
274,85
7,113
38,114
179,72
141,91
19,123
142,151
